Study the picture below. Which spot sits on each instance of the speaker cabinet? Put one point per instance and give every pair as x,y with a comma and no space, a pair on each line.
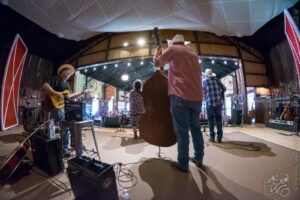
47,154
92,179
236,117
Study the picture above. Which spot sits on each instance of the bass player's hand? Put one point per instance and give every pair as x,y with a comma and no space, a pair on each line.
158,51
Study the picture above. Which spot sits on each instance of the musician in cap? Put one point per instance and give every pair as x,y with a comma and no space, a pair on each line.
54,90
185,92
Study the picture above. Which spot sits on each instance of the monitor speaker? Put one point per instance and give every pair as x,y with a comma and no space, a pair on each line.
236,117
47,154
92,179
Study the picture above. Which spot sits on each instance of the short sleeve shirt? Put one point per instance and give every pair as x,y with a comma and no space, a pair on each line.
59,85
185,72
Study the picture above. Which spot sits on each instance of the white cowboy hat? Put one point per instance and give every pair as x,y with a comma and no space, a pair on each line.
209,73
177,38
66,66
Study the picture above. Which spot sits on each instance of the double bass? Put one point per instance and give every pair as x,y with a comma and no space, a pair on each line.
156,125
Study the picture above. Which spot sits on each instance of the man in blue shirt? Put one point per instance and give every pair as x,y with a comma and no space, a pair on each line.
214,96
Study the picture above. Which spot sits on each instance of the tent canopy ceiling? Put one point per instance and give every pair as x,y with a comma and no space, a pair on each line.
78,20
143,68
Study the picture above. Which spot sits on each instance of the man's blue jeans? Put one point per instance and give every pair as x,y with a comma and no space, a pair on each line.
215,113
185,115
64,131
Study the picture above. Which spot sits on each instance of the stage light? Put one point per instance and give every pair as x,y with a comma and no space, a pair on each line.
212,61
125,77
142,62
141,42
128,64
125,44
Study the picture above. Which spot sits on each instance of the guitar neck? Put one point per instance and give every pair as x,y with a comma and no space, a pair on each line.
283,112
74,94
31,134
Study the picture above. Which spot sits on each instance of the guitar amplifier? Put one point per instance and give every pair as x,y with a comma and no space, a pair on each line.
75,111
47,154
282,125
92,179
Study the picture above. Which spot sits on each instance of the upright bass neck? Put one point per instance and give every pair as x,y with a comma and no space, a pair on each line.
157,40
156,36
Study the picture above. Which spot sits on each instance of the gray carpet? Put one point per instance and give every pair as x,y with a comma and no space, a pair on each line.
242,168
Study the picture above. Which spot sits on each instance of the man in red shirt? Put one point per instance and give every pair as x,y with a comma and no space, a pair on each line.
185,91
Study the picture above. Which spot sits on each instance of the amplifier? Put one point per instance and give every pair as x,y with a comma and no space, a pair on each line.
74,111
92,179
236,117
282,125
47,154
278,121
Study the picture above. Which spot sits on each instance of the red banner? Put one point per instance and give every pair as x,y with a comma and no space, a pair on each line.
293,36
11,84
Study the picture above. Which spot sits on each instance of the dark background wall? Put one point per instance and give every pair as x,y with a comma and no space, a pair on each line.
40,43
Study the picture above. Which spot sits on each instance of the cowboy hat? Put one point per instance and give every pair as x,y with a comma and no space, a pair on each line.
209,73
66,66
176,39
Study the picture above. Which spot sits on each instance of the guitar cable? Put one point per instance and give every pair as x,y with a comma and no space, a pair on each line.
125,175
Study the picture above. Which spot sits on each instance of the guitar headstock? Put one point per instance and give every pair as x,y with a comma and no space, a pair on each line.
156,36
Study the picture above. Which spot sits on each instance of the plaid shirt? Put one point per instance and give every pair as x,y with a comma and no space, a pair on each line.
212,91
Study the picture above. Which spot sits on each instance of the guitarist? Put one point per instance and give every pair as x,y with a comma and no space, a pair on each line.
54,88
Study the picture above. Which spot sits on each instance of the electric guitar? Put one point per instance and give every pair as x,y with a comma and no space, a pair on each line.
13,160
59,103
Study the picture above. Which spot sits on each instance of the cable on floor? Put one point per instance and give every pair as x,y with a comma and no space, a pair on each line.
125,176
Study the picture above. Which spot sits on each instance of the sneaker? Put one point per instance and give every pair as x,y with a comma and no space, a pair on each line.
175,165
220,141
197,162
211,140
